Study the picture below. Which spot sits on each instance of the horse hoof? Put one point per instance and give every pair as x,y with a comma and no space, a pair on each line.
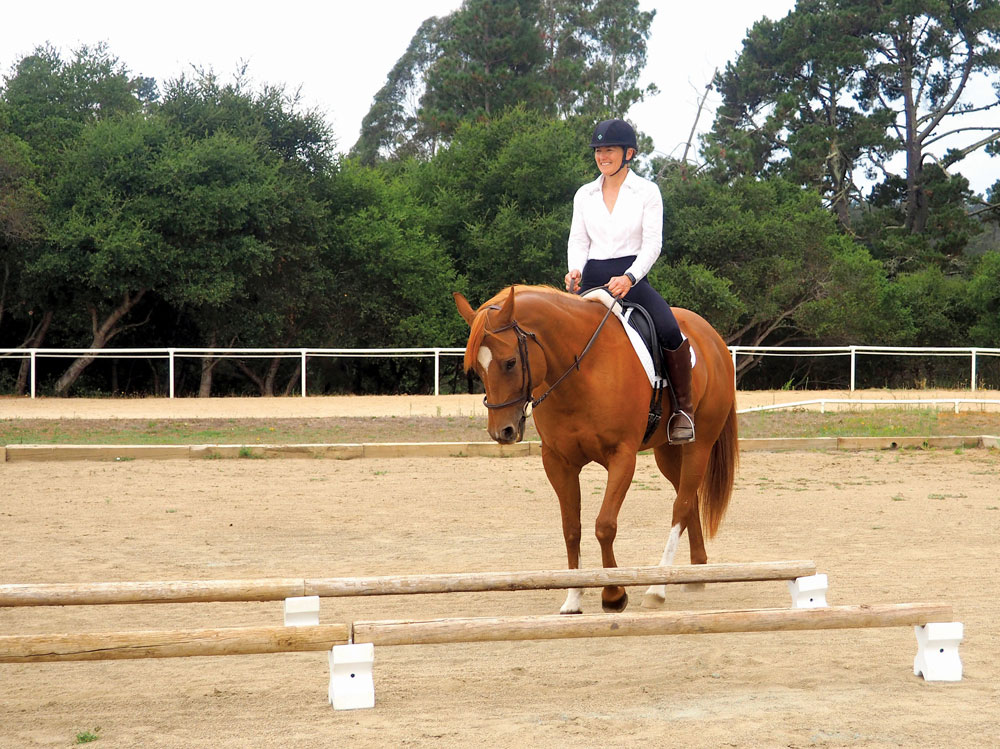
653,601
615,607
694,587
570,613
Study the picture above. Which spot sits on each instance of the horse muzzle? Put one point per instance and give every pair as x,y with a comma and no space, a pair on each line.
508,434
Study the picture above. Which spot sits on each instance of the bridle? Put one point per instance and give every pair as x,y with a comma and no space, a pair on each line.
522,347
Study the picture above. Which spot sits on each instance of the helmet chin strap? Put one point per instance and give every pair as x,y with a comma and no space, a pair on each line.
625,162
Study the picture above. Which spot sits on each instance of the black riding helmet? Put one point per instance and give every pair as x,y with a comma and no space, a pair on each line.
615,133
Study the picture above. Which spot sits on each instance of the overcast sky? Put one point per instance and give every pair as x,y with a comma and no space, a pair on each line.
339,52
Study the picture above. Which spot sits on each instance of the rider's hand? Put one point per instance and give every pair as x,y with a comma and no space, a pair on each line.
572,281
619,286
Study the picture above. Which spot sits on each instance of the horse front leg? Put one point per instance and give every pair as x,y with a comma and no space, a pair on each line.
565,479
620,471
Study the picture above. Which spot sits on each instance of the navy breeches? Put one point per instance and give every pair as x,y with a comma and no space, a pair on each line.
599,272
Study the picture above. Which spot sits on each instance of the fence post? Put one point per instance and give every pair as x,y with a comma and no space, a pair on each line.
303,373
734,351
853,365
170,357
437,371
32,368
973,370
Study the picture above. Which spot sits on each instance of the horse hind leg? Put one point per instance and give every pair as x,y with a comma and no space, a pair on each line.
656,595
696,540
684,466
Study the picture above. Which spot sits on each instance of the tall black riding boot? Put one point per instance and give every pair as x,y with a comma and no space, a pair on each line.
680,427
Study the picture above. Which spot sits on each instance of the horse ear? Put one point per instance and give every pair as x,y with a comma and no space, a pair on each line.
464,308
506,313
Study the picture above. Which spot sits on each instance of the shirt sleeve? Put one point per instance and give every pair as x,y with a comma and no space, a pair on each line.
578,247
652,233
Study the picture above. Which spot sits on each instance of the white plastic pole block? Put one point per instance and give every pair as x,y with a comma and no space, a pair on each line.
302,611
808,592
351,683
937,651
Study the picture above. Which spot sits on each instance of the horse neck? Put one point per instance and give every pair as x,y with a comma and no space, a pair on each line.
563,327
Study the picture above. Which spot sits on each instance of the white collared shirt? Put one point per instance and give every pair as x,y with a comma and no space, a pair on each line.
634,227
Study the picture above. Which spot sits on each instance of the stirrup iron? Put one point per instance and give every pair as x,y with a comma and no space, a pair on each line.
683,416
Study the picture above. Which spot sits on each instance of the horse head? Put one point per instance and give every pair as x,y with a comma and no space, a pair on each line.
507,359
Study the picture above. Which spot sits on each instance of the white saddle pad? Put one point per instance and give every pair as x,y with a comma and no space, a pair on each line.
604,297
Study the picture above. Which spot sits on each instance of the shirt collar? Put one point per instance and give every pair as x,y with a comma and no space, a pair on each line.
595,186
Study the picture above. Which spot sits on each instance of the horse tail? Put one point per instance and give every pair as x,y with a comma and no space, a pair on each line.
717,486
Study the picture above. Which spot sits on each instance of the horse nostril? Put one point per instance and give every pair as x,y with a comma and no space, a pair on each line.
507,433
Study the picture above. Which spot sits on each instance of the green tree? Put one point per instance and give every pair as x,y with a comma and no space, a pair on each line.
22,218
787,106
102,256
392,126
393,276
764,262
501,197
946,237
984,299
923,57
488,62
141,211
21,206
937,305
854,83
255,303
269,116
614,34
556,57
857,302
47,101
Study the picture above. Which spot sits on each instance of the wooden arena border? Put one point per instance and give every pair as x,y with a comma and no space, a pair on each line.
345,451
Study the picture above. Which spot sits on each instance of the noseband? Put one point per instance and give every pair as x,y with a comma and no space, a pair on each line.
522,348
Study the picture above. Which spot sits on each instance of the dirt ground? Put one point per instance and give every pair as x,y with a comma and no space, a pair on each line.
405,405
903,526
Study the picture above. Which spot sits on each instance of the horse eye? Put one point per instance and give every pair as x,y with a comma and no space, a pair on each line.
509,364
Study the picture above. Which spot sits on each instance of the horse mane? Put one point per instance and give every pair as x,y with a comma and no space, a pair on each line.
476,335
478,328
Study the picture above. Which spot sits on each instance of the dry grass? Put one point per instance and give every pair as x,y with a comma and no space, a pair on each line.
881,422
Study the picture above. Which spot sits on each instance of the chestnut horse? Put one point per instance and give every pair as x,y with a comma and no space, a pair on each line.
525,344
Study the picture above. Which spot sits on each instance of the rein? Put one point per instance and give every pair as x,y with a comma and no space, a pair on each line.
522,347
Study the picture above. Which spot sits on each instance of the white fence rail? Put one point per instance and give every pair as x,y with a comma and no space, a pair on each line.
983,403
854,351
173,354
303,354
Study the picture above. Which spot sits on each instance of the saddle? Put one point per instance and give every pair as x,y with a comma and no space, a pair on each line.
639,327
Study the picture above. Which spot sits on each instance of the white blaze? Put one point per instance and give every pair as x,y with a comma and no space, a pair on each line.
485,357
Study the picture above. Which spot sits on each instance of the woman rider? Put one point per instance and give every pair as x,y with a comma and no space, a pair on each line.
615,238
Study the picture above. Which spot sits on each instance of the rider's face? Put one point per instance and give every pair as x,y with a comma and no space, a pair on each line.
609,158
